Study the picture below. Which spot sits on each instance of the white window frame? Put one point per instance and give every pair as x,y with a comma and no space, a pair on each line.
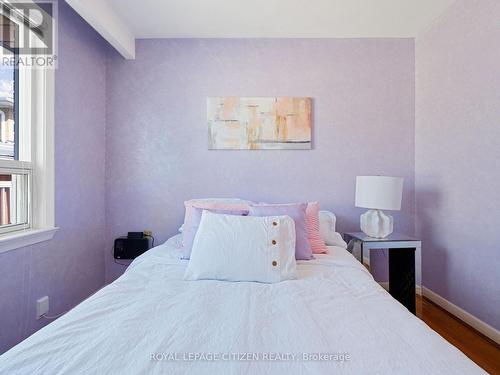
36,92
15,167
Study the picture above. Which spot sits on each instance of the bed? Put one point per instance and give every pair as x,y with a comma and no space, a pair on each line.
333,319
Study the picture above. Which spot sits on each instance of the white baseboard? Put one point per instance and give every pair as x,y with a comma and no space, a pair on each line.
463,315
385,285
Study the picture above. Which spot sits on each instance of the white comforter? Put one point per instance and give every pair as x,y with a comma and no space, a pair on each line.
150,321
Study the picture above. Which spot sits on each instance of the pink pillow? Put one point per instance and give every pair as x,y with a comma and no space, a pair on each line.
317,243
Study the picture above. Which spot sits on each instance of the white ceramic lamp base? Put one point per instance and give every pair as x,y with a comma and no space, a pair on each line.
375,223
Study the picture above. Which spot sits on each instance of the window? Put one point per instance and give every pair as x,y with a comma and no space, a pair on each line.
15,174
26,142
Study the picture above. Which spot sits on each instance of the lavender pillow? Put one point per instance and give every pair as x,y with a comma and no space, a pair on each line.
297,212
190,233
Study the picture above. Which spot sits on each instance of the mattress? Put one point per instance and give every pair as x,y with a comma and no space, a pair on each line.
333,319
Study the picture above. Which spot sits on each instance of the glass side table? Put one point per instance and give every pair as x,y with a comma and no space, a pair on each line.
401,250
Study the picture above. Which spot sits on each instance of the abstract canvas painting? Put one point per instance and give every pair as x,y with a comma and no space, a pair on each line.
259,123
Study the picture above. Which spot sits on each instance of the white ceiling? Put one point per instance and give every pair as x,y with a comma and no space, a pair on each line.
268,18
277,18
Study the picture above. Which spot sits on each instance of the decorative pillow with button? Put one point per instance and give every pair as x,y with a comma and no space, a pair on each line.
297,211
243,248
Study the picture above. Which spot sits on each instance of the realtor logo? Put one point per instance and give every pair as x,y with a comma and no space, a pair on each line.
28,32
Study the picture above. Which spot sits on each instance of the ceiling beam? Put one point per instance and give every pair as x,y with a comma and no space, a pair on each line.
101,16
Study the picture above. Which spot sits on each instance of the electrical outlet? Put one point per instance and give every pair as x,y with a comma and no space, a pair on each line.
42,306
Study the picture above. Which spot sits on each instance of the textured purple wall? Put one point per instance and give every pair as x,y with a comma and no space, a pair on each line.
71,266
156,145
457,156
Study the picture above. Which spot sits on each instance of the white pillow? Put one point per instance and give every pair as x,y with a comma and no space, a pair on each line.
243,248
327,223
207,201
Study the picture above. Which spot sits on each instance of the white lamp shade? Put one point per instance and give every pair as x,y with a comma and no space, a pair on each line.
379,192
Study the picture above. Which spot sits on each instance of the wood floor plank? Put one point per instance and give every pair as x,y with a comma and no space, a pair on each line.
473,344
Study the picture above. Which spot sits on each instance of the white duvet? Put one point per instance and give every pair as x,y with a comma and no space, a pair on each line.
333,319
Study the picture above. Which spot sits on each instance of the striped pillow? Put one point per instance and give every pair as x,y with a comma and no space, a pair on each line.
317,243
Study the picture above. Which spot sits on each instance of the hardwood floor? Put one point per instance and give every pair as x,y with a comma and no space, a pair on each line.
474,345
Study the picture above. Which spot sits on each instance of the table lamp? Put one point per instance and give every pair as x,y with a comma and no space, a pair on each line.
378,193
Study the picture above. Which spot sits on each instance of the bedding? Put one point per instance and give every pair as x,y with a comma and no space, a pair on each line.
190,233
327,229
334,318
243,248
314,236
297,211
226,204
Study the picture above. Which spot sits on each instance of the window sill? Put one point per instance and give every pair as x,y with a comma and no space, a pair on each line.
22,238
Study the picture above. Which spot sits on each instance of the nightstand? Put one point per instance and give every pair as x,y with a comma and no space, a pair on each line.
402,250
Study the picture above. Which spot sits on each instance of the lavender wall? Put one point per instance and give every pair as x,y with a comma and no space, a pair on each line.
457,155
156,146
71,266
